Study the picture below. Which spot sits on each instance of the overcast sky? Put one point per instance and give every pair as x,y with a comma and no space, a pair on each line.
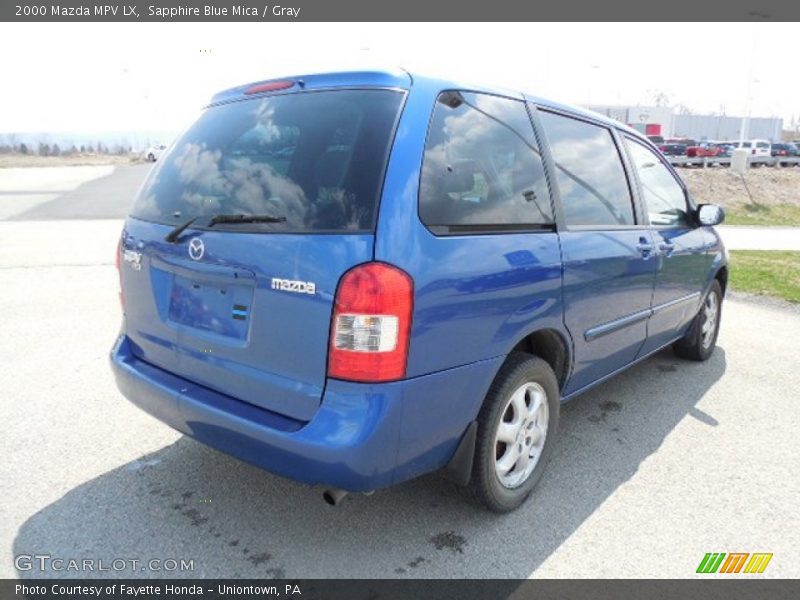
96,77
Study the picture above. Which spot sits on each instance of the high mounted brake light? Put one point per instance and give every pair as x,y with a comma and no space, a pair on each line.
371,324
270,86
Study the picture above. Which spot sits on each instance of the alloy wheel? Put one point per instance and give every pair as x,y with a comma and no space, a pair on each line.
521,434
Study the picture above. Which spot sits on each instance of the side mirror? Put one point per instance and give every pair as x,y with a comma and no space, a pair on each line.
710,214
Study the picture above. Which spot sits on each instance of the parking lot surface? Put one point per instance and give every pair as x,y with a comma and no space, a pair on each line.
69,192
653,469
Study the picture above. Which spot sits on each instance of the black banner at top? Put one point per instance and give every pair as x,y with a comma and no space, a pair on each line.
404,10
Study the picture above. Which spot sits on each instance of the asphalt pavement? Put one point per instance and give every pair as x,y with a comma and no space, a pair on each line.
652,470
48,193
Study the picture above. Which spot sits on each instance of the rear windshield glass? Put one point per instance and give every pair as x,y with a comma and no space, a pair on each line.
316,159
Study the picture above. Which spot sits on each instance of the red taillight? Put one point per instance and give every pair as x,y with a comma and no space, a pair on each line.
371,324
118,262
270,86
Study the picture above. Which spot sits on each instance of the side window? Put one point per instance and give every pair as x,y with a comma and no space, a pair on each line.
482,166
592,182
663,196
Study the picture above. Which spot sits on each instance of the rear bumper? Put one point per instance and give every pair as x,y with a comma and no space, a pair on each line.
363,437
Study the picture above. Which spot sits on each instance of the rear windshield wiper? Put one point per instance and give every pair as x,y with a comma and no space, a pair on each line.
173,235
220,219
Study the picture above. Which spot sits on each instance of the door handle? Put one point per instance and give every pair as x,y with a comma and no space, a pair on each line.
644,247
666,248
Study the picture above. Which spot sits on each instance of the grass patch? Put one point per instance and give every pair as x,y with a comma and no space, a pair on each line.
766,272
787,215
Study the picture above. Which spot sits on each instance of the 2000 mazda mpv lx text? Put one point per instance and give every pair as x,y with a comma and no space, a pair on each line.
353,279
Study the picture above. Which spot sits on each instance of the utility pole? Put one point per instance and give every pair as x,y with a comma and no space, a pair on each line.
750,81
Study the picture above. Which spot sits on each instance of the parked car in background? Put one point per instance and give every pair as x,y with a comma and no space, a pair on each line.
355,279
785,153
784,149
656,139
704,150
154,152
756,147
676,146
725,149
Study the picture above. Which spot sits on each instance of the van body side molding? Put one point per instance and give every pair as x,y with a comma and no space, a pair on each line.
674,303
616,325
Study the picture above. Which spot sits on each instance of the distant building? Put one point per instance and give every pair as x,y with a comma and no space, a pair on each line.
663,121
720,127
649,120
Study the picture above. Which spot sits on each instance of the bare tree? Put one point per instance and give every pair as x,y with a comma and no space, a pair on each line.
660,98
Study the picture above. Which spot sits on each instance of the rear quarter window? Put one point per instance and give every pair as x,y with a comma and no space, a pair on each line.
482,169
315,158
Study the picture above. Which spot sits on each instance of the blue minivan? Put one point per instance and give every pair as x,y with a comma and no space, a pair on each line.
354,279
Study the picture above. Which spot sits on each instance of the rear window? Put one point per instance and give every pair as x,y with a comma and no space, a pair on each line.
316,159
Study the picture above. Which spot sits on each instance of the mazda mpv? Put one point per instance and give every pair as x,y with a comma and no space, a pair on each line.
354,279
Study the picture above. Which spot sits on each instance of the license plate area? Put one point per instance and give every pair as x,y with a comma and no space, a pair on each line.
217,307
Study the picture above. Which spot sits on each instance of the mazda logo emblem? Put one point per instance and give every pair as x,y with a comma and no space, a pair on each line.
196,248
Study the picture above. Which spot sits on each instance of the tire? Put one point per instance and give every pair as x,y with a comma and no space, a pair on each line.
530,380
701,339
151,158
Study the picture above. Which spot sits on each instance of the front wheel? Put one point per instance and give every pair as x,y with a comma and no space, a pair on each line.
701,339
517,428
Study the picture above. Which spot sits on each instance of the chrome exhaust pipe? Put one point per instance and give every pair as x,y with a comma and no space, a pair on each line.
334,496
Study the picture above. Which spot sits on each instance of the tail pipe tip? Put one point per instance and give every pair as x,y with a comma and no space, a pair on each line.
334,496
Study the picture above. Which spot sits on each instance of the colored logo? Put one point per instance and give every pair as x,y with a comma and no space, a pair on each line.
734,562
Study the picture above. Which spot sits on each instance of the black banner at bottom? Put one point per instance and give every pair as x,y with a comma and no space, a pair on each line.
391,589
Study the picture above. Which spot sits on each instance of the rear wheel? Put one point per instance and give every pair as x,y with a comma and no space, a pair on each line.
701,339
517,427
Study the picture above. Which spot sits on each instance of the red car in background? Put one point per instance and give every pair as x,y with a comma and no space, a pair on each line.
705,149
